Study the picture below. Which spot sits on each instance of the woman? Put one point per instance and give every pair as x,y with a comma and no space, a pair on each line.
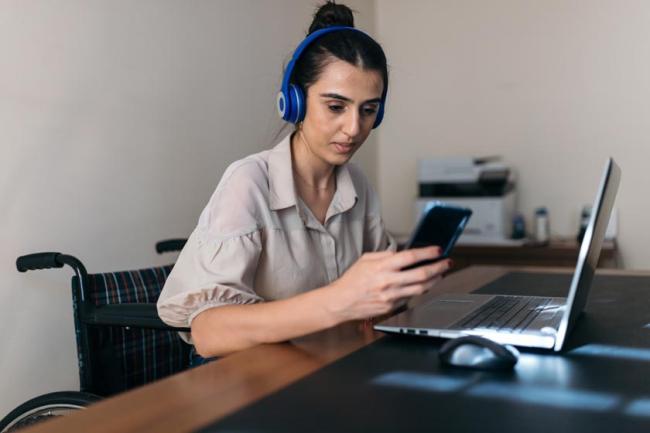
292,241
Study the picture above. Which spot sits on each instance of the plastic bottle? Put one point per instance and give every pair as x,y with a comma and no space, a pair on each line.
518,226
542,229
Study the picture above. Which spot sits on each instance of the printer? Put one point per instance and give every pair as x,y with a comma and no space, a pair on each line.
484,185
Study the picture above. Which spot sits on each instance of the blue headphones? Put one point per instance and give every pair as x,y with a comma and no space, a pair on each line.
291,99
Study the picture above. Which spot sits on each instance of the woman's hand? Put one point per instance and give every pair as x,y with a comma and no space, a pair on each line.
376,283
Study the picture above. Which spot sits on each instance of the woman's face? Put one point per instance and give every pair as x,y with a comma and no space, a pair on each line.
341,110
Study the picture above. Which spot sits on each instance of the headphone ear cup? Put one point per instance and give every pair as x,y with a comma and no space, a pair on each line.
296,104
281,104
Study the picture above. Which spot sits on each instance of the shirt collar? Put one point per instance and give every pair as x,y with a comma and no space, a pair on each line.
283,193
346,195
282,188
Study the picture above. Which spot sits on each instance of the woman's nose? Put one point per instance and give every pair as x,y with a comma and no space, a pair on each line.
352,125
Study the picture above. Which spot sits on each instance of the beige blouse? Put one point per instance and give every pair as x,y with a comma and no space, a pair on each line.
257,241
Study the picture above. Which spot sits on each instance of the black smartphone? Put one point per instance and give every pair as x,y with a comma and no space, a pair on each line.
441,225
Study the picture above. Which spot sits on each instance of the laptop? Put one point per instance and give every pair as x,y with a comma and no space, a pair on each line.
525,321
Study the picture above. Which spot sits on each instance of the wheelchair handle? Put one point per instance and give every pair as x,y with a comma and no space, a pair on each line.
38,261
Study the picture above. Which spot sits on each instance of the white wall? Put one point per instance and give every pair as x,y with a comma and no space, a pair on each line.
553,86
117,119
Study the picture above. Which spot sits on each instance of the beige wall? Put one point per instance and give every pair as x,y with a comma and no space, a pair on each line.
117,119
553,86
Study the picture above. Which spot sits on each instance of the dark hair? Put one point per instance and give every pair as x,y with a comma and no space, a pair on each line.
353,47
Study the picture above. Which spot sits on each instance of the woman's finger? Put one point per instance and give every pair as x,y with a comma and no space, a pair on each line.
397,293
378,255
412,256
421,274
432,282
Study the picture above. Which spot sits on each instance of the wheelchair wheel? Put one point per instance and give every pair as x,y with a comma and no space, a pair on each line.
45,407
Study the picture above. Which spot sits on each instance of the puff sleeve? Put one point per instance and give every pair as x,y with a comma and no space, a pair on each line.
218,263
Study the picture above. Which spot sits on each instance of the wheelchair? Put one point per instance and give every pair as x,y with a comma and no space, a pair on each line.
121,341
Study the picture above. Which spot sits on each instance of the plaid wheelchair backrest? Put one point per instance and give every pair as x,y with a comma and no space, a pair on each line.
124,358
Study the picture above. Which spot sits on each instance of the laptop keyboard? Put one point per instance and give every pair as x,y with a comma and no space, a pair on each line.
505,313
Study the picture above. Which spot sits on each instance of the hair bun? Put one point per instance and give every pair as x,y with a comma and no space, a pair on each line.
331,14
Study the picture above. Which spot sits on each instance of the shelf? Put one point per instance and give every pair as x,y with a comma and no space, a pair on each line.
558,252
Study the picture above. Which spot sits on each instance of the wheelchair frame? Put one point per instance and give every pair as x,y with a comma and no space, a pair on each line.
86,315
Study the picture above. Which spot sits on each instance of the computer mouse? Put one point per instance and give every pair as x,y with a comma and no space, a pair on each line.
479,353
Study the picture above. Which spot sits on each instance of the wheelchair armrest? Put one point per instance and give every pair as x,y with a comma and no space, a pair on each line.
169,245
126,315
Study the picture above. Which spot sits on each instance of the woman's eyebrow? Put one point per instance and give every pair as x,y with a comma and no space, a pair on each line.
346,99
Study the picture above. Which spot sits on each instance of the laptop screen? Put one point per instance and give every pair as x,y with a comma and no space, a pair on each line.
590,250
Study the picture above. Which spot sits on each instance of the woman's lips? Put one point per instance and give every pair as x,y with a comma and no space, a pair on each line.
343,147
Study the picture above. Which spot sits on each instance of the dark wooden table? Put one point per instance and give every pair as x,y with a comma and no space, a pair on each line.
198,397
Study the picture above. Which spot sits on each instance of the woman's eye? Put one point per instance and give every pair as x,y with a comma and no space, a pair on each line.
370,110
336,108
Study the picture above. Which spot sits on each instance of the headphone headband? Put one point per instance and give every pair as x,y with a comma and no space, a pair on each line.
291,100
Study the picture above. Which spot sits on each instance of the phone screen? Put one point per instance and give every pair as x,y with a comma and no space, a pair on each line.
441,225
